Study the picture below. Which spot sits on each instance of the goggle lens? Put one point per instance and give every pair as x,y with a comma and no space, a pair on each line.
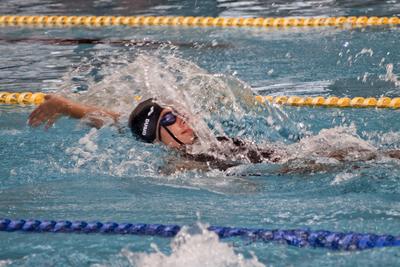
168,119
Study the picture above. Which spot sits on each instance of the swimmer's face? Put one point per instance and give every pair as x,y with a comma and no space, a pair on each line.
179,128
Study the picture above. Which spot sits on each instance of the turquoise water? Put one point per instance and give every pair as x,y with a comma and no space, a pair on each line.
77,173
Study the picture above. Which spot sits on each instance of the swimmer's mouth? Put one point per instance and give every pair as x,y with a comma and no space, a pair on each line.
187,131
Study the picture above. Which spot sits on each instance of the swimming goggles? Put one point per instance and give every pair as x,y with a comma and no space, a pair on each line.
168,119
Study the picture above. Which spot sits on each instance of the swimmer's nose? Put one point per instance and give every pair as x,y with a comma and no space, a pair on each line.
184,125
182,122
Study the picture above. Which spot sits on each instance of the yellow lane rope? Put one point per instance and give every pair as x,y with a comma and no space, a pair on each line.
100,21
24,98
28,98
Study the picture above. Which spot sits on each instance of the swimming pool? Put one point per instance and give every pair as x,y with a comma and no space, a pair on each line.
77,173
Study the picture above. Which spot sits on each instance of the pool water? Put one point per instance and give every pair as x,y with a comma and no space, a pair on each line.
73,172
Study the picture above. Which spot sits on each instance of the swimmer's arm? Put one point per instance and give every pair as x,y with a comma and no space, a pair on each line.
57,106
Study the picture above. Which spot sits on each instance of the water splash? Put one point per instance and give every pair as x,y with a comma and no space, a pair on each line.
220,102
123,157
390,76
343,177
104,151
87,149
340,143
389,139
364,51
193,249
214,104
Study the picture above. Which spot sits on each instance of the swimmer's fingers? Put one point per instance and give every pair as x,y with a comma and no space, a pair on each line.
33,114
52,120
44,117
37,117
43,112
37,112
41,116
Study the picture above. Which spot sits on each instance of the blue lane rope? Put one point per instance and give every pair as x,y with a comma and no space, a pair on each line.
296,237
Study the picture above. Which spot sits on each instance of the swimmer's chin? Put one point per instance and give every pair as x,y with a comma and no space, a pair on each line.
193,140
188,145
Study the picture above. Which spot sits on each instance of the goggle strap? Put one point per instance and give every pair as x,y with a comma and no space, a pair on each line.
172,135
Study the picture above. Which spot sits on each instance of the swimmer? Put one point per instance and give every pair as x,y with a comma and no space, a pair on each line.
149,121
152,123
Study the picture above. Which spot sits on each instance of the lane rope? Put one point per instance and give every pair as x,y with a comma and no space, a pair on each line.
295,237
24,98
101,21
29,98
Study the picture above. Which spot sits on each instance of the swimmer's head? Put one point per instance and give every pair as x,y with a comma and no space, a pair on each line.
151,122
143,120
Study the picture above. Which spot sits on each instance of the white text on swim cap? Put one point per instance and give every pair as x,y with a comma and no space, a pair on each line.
145,126
146,122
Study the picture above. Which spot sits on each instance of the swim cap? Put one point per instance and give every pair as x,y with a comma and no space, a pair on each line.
144,119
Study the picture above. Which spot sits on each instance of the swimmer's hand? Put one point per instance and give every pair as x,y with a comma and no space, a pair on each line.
56,106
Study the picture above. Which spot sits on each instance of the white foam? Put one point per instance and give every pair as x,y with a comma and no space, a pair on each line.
342,177
104,151
85,152
4,263
87,141
10,132
338,142
195,250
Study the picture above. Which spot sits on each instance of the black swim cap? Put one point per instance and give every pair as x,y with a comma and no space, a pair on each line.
143,120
